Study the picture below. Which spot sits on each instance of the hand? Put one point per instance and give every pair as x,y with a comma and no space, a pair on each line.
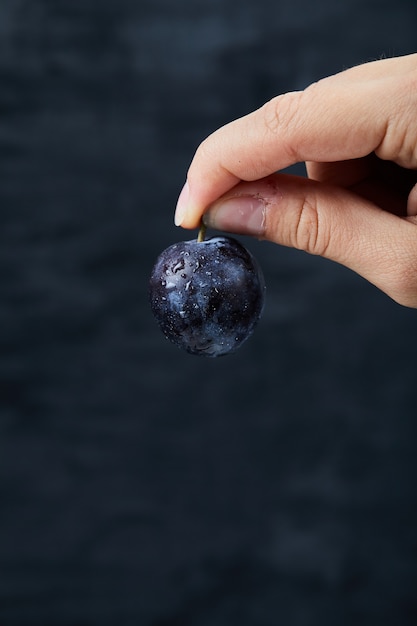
357,133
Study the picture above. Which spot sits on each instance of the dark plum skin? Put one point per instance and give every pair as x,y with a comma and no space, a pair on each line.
207,296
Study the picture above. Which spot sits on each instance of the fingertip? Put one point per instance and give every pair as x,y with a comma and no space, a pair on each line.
182,205
242,214
189,210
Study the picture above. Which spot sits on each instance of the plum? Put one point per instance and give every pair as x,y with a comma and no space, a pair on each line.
207,295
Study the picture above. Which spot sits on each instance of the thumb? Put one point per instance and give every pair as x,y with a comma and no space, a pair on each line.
325,220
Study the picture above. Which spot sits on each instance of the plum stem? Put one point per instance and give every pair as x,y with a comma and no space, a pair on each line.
201,233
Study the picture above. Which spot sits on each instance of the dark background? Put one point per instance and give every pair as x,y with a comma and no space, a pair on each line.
140,486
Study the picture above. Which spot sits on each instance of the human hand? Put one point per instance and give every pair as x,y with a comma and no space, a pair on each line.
357,133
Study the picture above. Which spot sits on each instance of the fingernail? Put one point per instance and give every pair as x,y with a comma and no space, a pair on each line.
181,209
243,215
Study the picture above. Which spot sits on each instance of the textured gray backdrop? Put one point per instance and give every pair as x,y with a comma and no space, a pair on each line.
140,486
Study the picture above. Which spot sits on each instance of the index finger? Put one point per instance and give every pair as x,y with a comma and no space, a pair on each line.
346,116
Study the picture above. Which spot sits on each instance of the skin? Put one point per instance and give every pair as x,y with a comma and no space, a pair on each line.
356,131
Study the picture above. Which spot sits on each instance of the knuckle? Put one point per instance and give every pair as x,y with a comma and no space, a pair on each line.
399,142
280,117
311,233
